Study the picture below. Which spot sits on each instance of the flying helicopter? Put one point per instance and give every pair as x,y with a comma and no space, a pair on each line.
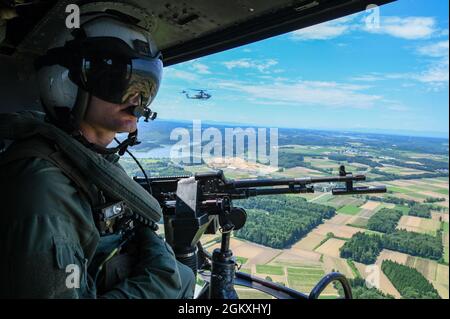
184,31
201,95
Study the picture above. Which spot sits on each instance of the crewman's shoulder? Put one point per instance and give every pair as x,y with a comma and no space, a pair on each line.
39,172
37,186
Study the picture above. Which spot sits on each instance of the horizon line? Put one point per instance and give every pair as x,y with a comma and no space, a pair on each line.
377,131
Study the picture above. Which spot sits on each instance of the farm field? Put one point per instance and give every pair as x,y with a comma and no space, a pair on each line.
400,170
436,273
310,242
349,210
331,247
419,225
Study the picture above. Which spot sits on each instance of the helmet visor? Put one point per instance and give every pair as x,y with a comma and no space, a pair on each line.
116,79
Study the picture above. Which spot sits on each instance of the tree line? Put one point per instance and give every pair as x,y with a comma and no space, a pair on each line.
410,283
415,244
392,177
280,221
426,164
385,220
425,208
365,248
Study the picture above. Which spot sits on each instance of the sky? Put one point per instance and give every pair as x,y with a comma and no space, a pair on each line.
358,72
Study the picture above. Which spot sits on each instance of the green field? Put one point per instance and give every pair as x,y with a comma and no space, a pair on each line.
445,227
339,202
372,232
246,270
252,294
322,199
241,260
431,188
405,191
270,270
446,248
305,278
308,150
403,209
359,222
304,270
349,210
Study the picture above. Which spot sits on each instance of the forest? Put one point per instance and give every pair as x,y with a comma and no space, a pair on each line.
280,221
415,244
385,220
420,210
363,248
410,283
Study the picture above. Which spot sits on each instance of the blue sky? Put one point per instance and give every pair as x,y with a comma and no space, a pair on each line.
350,73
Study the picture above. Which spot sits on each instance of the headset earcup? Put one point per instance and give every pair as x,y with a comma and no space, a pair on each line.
81,104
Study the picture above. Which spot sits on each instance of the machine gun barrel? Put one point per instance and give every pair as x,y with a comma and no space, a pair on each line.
243,193
245,183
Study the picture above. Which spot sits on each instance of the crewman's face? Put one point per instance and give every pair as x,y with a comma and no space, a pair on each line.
112,117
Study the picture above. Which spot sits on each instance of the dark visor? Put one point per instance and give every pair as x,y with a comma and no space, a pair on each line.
115,79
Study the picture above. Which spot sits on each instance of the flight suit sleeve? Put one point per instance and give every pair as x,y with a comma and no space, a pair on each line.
45,231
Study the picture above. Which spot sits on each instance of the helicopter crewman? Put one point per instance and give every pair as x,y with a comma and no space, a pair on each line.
60,173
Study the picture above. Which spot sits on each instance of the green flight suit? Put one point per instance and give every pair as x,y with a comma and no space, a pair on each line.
46,225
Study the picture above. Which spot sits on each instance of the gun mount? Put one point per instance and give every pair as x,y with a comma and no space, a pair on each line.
203,204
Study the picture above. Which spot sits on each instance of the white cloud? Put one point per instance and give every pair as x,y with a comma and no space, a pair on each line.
308,93
179,74
435,73
324,31
260,65
410,28
372,77
436,50
438,70
200,68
